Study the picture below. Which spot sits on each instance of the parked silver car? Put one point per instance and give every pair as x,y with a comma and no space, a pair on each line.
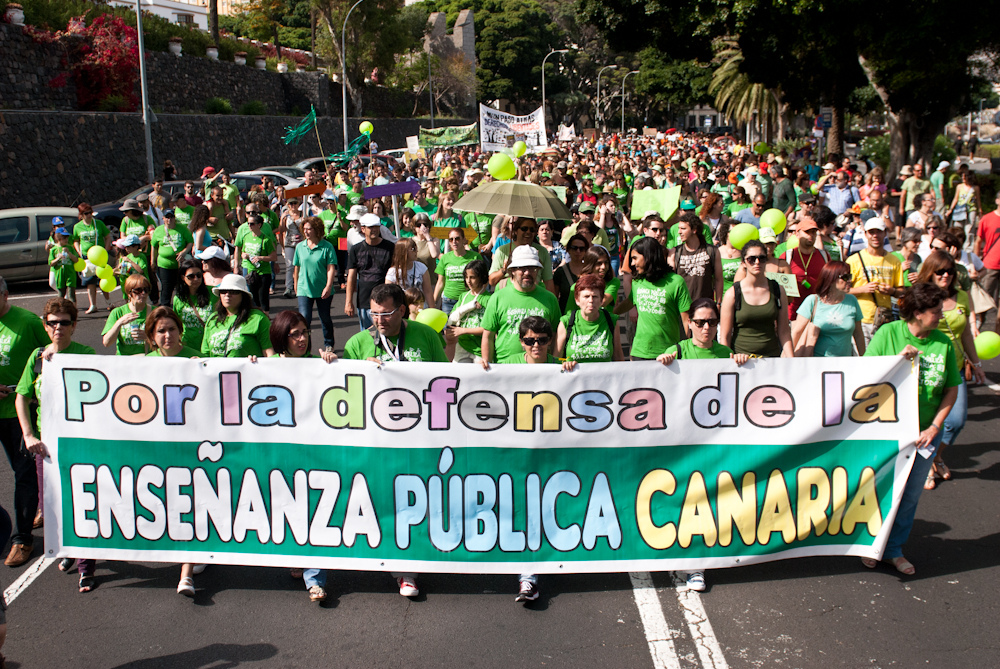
23,233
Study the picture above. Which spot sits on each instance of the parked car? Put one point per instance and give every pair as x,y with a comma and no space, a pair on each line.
108,213
279,178
287,170
320,162
23,233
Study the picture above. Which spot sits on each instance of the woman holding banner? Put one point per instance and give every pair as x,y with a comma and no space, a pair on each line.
236,329
59,317
589,333
755,310
920,308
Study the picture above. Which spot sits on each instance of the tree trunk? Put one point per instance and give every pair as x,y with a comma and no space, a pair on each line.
213,20
835,138
277,42
335,36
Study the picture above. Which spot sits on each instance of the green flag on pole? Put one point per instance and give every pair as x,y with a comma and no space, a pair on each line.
294,135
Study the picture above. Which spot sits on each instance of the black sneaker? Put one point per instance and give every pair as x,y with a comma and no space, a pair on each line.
528,593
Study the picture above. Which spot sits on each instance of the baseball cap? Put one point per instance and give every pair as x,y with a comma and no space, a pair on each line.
767,236
875,223
357,212
868,214
943,164
131,240
61,231
207,171
829,166
168,213
524,256
212,252
688,205
586,207
806,224
370,221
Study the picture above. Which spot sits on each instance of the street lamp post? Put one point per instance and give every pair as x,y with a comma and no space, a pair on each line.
623,97
343,63
143,89
600,114
543,77
430,83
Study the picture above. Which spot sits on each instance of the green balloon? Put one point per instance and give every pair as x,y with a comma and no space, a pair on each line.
433,318
780,249
366,128
501,167
80,265
108,285
106,272
97,255
987,345
814,188
774,219
520,148
741,234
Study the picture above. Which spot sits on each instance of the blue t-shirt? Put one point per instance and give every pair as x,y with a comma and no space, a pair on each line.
835,322
746,216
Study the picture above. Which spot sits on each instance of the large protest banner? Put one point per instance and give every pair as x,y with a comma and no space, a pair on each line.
450,468
451,135
501,130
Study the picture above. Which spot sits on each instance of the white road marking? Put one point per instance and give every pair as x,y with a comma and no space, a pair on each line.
709,650
658,635
995,387
25,579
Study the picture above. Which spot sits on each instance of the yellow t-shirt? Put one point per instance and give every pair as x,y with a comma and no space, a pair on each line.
885,269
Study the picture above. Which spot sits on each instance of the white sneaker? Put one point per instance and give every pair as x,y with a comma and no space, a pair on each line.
407,587
186,587
198,568
696,581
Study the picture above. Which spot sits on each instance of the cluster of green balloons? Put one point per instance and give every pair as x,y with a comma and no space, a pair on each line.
502,167
366,128
433,318
987,345
98,256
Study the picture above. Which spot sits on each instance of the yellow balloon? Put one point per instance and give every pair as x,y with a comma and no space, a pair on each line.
98,255
108,285
366,128
106,272
520,148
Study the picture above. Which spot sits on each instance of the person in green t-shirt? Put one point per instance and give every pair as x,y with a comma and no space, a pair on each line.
168,243
315,270
59,316
164,330
182,211
389,338
464,334
920,309
133,262
236,329
521,298
88,232
597,260
909,260
257,252
591,333
126,324
193,302
62,257
450,269
660,296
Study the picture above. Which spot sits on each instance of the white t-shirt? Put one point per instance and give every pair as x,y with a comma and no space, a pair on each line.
414,276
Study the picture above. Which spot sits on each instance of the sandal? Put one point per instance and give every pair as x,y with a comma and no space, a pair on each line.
87,583
930,483
66,564
943,470
902,565
871,563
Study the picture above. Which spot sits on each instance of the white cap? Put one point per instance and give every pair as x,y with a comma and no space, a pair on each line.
524,256
232,282
356,212
876,223
369,220
943,165
212,251
767,236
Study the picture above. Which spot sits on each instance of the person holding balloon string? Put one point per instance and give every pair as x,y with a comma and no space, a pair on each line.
132,261
62,259
88,233
125,325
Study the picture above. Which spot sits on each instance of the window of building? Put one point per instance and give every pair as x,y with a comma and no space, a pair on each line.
185,19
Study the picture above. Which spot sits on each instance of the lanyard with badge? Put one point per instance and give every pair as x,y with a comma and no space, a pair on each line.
396,352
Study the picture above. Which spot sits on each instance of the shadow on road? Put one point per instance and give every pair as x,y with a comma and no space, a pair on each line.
218,655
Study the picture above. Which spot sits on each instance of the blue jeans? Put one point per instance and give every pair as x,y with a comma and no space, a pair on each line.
364,318
323,307
447,304
955,421
314,577
615,265
908,504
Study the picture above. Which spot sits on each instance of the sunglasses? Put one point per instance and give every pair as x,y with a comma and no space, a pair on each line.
139,291
702,322
194,275
946,270
531,341
527,228
753,260
455,239
845,277
64,323
577,247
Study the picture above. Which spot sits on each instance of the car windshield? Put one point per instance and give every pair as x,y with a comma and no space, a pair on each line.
136,193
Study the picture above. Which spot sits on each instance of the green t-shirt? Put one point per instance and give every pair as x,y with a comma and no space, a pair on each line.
953,324
90,235
137,227
223,339
473,319
522,359
167,243
508,307
333,230
590,341
313,264
30,383
611,288
131,338
729,268
690,351
61,259
21,332
674,240
452,268
938,368
914,266
482,224
253,245
185,352
428,208
133,263
734,207
183,216
420,344
659,304
194,318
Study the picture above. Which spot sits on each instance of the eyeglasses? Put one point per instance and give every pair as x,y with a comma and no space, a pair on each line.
845,277
64,323
383,314
753,260
702,322
298,334
139,291
531,341
194,275
945,270
577,247
527,228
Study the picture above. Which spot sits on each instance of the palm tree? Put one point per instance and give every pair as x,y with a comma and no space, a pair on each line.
739,98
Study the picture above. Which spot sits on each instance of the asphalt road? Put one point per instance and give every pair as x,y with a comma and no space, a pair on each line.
812,612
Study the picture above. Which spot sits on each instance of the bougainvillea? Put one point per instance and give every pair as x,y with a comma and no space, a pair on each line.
103,59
